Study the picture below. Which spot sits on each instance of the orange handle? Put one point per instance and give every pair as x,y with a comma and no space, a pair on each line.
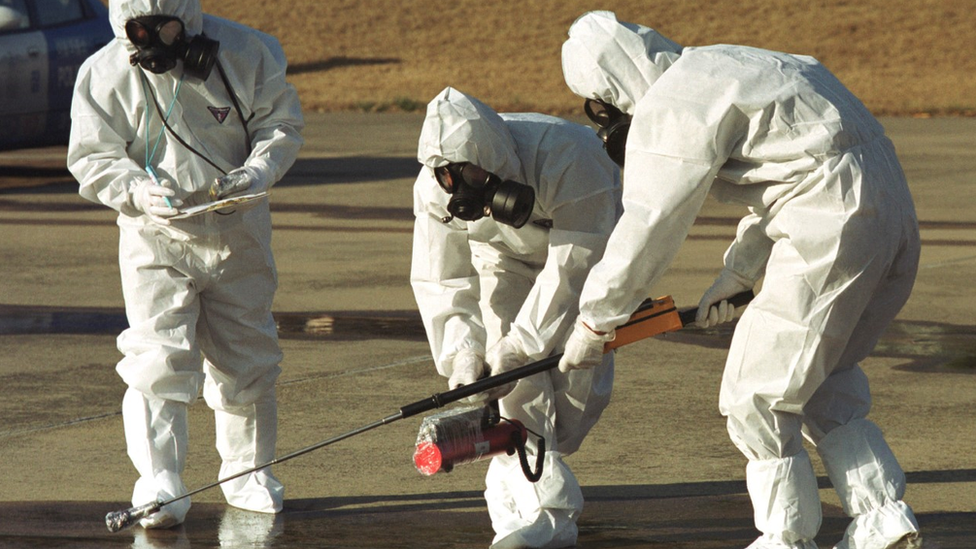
652,317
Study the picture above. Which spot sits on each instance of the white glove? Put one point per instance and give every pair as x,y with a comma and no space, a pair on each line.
467,367
713,308
244,180
584,349
503,356
155,200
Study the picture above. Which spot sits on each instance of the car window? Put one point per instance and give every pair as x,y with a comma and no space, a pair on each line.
13,15
56,12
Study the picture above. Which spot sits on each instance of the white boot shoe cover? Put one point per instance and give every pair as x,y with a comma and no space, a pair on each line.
539,515
873,530
164,486
768,541
785,502
545,527
156,437
870,484
260,492
246,438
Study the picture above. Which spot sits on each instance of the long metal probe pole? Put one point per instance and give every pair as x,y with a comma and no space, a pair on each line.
118,520
295,454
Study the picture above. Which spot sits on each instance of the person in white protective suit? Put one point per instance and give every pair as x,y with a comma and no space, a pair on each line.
508,281
178,100
831,227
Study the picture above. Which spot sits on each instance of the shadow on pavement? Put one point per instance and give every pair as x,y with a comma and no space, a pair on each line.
926,346
53,176
339,62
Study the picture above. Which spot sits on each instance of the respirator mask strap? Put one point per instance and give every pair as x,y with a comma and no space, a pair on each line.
613,126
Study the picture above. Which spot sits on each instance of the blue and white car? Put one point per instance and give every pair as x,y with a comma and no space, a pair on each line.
42,44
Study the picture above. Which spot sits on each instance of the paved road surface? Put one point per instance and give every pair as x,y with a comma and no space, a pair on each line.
658,471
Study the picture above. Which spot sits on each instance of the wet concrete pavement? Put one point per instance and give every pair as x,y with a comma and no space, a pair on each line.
642,517
658,470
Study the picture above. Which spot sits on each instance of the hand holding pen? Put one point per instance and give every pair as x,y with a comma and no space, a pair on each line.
154,197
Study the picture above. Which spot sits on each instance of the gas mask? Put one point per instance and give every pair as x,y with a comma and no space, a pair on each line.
161,42
613,127
476,193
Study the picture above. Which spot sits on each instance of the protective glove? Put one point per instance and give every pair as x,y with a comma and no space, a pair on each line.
713,308
503,356
244,180
467,367
584,349
155,200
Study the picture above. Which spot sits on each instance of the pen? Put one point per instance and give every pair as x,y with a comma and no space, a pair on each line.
155,180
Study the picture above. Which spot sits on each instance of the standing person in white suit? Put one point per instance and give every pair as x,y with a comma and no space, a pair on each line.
176,101
831,227
512,210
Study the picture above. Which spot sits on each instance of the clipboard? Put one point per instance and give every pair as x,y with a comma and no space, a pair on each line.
218,205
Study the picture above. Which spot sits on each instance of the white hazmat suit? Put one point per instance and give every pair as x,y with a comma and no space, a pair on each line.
197,291
831,226
483,281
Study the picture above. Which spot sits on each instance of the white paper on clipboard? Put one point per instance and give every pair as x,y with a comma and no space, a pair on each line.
218,205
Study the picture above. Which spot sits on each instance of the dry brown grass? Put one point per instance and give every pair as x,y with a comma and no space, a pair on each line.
900,56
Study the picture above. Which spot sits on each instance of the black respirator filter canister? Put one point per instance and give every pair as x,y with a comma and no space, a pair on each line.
512,203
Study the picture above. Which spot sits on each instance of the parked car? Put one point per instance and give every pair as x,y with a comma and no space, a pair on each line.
42,44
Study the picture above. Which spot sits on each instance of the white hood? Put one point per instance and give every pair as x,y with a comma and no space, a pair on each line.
189,11
459,128
613,61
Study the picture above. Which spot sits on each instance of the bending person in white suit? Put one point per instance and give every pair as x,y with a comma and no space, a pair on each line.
512,210
831,227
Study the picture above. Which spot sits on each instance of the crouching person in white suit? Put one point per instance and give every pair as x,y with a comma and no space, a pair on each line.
512,210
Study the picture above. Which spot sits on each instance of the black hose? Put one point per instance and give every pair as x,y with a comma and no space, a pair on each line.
530,475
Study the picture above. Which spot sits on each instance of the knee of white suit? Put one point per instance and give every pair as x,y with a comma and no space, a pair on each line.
224,391
842,398
785,498
539,514
763,434
580,397
159,374
861,467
